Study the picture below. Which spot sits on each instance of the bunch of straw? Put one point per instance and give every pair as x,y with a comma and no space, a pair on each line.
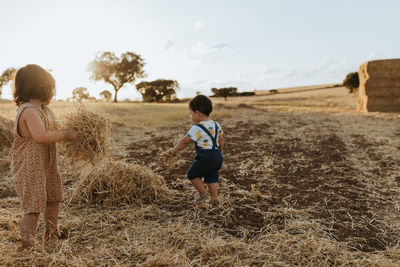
93,132
111,181
169,158
6,134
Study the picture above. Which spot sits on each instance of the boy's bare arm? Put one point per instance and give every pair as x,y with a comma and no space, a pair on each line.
39,133
221,143
184,142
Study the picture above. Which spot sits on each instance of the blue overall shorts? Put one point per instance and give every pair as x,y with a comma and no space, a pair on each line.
208,161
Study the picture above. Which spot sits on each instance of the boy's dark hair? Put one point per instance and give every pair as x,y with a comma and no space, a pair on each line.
201,103
33,82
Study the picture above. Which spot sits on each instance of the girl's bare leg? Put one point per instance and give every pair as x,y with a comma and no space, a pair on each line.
28,229
51,217
198,184
213,188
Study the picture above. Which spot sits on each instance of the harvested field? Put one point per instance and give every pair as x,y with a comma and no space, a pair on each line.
302,184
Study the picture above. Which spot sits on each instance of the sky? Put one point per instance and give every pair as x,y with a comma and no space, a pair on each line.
248,44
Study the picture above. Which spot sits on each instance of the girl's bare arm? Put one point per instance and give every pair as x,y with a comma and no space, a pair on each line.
56,122
184,142
39,133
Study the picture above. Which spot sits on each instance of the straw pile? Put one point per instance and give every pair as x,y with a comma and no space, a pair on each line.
6,134
93,132
114,182
380,86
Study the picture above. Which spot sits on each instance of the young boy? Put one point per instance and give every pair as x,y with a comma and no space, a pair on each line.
207,136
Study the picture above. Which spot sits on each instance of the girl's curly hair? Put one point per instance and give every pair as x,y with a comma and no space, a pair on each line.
33,82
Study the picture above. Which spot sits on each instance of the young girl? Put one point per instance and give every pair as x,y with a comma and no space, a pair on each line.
33,154
207,136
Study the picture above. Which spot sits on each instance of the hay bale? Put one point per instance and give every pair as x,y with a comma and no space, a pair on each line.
379,86
6,133
93,133
378,104
382,83
381,69
117,182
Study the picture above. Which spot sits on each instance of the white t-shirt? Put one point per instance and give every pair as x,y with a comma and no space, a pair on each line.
201,137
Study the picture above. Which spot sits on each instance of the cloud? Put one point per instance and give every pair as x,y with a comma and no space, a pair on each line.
168,45
202,51
327,71
198,25
375,55
217,47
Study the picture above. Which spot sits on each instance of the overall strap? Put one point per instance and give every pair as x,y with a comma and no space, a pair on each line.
213,139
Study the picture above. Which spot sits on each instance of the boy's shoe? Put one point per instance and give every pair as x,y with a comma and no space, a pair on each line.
201,198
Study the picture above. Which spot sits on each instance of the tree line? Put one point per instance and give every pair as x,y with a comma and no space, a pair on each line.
123,70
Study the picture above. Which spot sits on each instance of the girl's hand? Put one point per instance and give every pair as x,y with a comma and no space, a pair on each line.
72,134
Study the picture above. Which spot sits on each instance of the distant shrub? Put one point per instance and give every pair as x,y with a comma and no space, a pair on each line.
81,94
245,94
273,91
351,81
106,95
224,92
160,90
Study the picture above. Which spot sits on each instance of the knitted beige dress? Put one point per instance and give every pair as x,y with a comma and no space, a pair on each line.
34,166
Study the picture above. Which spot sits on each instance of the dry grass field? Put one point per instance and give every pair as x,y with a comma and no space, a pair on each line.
306,180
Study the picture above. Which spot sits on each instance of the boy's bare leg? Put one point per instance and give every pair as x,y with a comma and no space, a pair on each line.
198,184
51,217
28,229
213,188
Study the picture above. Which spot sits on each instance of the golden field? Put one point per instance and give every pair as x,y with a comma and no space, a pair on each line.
307,180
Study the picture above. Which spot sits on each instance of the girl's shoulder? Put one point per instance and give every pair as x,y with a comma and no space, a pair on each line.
23,107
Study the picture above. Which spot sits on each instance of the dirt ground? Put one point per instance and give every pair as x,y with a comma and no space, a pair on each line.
302,162
298,187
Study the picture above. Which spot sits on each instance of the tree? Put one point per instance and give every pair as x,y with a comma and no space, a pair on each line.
214,91
158,90
81,93
224,92
116,71
6,77
106,95
351,81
